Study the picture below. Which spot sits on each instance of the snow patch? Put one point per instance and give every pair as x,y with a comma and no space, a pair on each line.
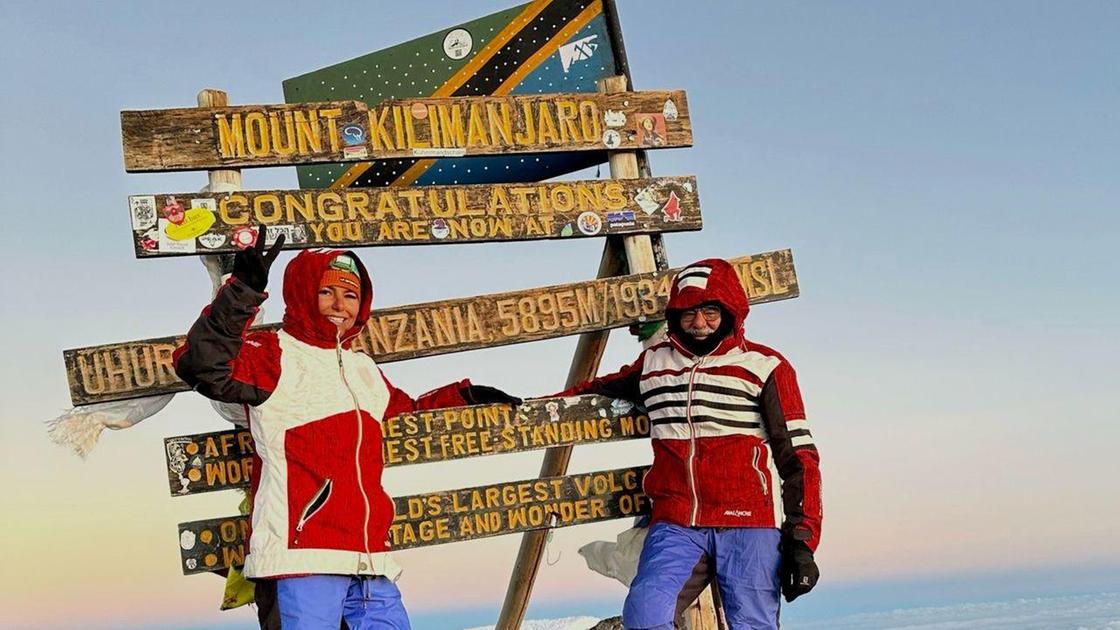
567,623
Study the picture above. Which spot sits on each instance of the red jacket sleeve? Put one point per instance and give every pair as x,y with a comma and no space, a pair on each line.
794,453
621,384
450,395
221,359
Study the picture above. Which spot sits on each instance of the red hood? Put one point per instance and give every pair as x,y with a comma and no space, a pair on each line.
302,318
709,280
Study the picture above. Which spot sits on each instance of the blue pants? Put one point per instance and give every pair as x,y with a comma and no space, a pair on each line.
320,602
746,562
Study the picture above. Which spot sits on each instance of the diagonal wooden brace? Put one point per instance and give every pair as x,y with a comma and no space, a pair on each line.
619,254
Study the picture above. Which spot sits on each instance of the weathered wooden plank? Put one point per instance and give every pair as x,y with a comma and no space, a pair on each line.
143,368
437,518
206,462
223,460
351,131
179,224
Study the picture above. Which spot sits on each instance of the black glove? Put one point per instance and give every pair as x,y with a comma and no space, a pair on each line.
798,573
483,395
251,264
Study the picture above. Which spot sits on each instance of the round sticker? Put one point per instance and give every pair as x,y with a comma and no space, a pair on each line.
611,139
440,229
419,111
353,134
457,44
243,237
187,539
589,223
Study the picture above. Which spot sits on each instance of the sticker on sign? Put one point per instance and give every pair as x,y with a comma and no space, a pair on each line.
458,43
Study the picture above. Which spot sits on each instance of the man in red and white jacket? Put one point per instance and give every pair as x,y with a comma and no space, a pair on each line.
320,516
735,472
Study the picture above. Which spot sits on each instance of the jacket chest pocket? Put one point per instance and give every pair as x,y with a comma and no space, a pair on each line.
313,507
758,455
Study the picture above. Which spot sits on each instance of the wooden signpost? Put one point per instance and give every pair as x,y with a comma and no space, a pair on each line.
437,518
339,140
143,368
180,224
223,460
350,131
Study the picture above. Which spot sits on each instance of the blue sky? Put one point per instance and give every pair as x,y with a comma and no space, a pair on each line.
945,173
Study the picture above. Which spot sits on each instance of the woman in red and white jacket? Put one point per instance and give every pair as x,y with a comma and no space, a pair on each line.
320,516
735,471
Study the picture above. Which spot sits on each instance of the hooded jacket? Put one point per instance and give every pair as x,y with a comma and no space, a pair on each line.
731,444
314,408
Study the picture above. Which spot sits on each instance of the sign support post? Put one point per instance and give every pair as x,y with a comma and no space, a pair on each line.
639,258
219,178
618,48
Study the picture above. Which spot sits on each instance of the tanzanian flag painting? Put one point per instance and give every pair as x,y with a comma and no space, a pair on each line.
541,47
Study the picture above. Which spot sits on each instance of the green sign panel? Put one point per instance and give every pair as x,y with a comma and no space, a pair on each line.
540,47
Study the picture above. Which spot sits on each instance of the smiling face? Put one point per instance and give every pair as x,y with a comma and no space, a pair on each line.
339,305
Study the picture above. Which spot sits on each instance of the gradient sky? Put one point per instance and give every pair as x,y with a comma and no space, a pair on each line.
947,177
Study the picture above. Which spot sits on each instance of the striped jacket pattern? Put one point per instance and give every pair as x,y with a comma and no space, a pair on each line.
732,445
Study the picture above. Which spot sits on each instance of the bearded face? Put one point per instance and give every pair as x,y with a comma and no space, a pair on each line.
701,322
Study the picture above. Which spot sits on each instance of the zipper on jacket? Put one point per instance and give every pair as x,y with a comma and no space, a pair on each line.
755,458
692,445
318,500
357,449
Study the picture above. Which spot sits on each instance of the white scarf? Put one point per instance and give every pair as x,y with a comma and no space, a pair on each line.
79,428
